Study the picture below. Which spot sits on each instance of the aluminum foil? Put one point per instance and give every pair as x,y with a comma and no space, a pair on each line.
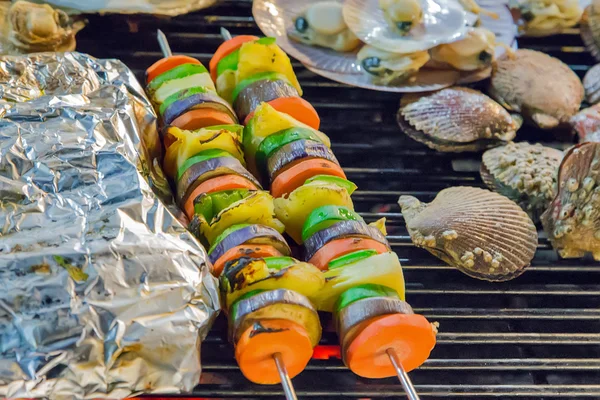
103,293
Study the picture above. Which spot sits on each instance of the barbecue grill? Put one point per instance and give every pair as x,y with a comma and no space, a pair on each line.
536,337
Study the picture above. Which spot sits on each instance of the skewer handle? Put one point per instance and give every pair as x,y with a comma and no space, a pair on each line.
286,382
163,43
410,390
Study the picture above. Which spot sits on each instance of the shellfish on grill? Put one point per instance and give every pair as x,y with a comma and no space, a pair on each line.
481,233
545,17
525,173
590,28
572,221
591,84
586,123
456,119
541,88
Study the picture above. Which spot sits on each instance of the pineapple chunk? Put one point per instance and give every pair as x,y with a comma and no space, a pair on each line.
257,208
381,269
258,57
293,209
190,143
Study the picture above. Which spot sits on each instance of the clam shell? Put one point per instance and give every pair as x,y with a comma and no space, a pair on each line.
591,84
590,29
456,119
572,221
542,88
525,173
482,233
586,123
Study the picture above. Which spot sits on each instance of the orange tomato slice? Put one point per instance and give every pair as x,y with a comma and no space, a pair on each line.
225,49
296,173
201,118
166,64
260,342
296,107
244,250
339,247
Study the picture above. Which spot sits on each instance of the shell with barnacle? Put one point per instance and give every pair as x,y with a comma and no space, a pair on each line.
591,84
29,27
481,233
542,88
525,173
590,28
572,221
586,123
456,119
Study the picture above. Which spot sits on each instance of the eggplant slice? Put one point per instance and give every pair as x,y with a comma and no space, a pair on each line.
300,149
264,90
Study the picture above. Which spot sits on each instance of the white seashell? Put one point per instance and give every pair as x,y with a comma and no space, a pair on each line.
494,238
590,29
456,119
521,84
525,173
572,221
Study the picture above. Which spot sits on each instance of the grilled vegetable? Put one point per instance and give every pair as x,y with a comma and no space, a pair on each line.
335,249
179,78
206,169
339,230
227,54
214,185
262,87
237,235
265,122
189,143
165,64
244,250
220,210
381,269
294,208
274,304
202,118
296,173
296,151
245,274
323,217
361,292
349,258
297,108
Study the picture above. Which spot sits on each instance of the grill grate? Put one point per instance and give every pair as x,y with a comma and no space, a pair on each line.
536,337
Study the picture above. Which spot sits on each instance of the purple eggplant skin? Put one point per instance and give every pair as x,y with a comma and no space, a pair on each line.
255,233
297,150
261,91
341,230
211,168
198,100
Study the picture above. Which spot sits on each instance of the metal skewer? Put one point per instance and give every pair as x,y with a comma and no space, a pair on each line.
410,390
163,43
225,34
286,382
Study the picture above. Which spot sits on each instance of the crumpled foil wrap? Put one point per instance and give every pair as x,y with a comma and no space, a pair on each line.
103,293
159,7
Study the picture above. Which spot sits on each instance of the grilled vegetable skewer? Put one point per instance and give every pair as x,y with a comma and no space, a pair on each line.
273,324
364,285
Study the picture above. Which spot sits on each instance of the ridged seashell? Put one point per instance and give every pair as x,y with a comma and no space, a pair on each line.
590,28
591,84
572,221
482,233
542,88
525,173
587,124
456,119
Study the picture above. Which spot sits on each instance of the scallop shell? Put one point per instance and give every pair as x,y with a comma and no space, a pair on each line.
542,88
591,84
456,119
572,221
586,124
525,173
590,28
483,234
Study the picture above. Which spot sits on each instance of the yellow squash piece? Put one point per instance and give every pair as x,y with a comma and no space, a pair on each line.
294,208
301,277
265,122
225,84
190,143
257,208
381,269
256,57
